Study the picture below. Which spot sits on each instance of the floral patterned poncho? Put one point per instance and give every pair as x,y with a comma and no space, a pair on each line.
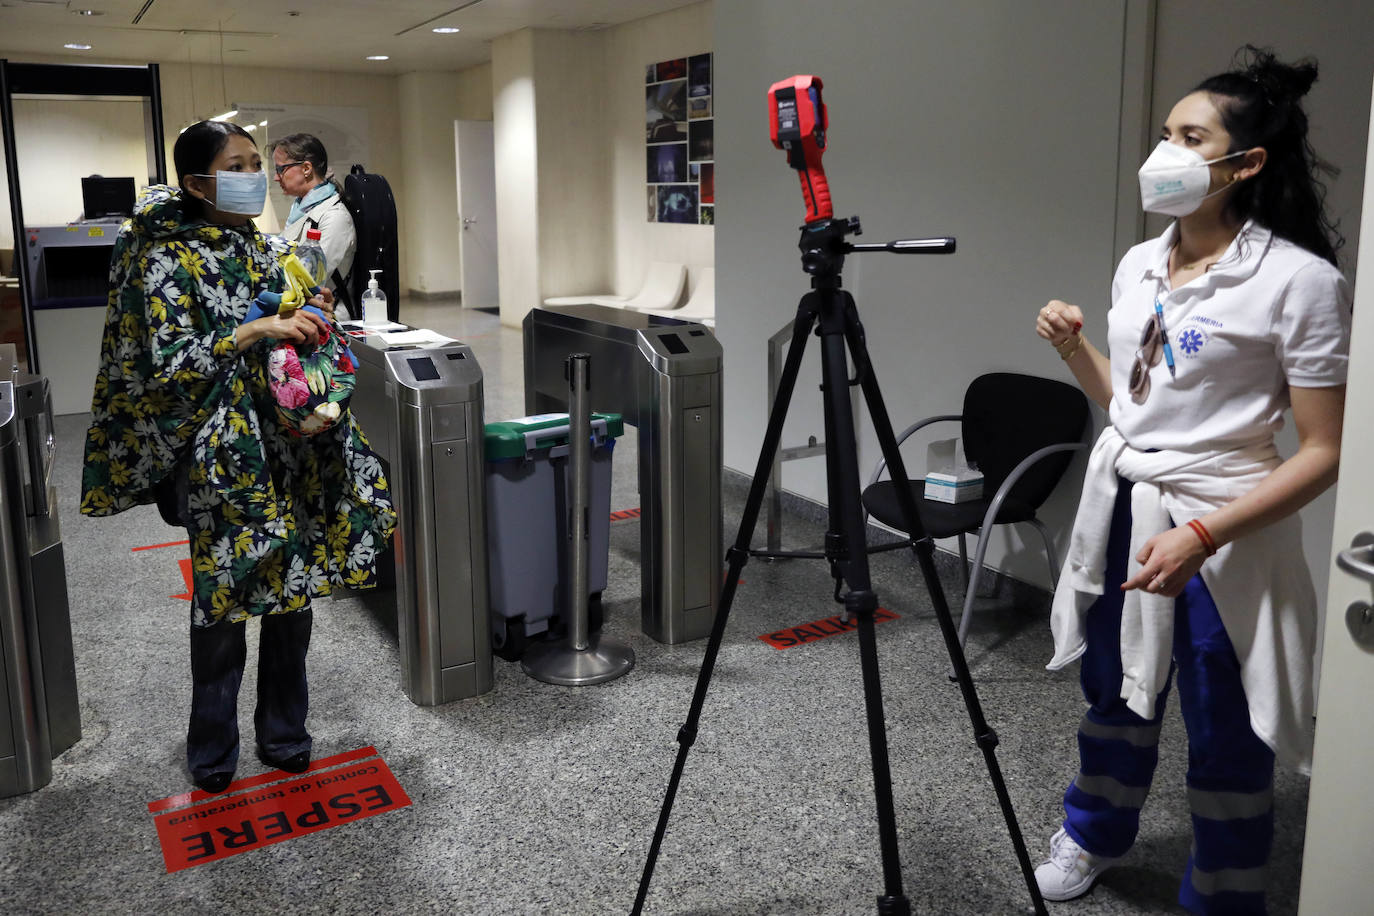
274,519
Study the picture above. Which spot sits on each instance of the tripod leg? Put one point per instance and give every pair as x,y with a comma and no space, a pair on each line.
860,601
737,556
924,550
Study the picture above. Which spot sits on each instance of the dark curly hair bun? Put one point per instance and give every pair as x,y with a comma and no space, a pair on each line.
1281,83
1260,103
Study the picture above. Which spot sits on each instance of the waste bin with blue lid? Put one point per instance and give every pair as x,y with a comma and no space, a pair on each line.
527,525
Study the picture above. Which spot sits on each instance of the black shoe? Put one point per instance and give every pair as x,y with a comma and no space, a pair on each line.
296,763
215,783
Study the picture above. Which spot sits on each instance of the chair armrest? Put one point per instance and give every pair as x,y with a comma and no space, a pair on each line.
996,505
906,434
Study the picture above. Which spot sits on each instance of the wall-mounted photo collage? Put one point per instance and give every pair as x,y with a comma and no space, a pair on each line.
679,140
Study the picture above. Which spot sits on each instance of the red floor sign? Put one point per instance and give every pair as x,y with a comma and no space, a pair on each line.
819,629
197,827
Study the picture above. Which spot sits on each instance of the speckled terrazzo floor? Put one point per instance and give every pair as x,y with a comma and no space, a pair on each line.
540,799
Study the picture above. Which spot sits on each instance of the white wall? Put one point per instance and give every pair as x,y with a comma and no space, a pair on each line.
474,93
994,121
635,241
574,248
61,141
1195,40
429,106
194,91
430,103
517,173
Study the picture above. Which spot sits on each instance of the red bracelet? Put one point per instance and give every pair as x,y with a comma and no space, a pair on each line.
1204,536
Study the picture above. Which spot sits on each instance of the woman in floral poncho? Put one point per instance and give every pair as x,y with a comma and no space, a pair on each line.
183,417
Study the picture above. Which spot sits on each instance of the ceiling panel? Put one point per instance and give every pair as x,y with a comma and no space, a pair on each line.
302,34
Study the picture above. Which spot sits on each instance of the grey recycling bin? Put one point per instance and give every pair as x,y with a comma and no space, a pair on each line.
39,710
421,409
528,500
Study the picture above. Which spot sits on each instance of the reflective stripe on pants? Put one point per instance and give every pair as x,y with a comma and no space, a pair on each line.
1230,772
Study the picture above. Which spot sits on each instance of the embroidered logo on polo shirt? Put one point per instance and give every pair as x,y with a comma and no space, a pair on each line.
1192,340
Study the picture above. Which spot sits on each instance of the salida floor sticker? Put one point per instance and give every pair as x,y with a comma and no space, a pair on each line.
196,827
820,629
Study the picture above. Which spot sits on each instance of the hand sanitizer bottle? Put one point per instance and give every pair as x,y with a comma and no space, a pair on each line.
374,302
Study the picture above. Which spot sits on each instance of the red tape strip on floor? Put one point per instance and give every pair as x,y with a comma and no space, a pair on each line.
819,629
158,546
197,827
624,514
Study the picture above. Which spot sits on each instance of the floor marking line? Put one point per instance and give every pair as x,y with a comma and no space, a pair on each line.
157,546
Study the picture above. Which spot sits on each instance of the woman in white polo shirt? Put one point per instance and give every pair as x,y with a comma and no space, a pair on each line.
1186,554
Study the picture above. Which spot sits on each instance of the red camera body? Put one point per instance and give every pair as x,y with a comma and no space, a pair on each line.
797,123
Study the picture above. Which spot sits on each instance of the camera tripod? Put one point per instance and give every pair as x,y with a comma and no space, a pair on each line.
832,312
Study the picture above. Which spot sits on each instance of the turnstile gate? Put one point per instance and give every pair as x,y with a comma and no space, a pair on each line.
422,412
40,715
663,376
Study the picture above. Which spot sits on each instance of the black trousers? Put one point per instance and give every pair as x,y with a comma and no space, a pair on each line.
218,654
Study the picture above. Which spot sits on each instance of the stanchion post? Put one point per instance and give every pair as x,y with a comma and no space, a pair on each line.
585,658
579,496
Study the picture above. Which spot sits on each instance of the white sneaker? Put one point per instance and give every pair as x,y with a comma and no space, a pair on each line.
1071,870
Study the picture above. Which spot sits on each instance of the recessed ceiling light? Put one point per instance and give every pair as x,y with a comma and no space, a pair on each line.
250,127
226,116
77,46
378,57
88,12
262,123
446,29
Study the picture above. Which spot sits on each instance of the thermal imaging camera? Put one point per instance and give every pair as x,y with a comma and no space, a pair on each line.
797,122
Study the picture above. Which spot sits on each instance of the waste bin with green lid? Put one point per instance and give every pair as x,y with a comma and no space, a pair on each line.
527,524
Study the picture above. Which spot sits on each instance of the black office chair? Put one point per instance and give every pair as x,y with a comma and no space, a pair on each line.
1020,431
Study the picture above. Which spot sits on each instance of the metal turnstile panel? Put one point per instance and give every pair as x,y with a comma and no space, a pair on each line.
7,719
422,411
663,376
55,646
698,586
27,765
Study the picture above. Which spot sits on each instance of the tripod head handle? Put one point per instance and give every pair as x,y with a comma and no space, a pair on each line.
797,122
942,245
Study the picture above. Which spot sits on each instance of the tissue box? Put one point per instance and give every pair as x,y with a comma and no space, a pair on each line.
951,479
954,488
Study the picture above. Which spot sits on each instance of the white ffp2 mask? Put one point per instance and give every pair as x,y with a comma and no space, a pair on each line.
1174,179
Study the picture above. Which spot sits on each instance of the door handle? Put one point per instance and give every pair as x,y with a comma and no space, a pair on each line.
1359,559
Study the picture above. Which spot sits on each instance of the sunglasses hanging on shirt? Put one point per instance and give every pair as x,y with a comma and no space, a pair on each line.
1154,343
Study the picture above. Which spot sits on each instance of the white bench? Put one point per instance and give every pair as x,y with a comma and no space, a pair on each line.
700,306
662,289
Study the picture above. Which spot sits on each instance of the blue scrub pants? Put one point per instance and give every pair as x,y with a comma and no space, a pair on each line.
1230,770
218,654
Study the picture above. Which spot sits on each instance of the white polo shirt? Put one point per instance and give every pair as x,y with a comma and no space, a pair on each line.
1268,315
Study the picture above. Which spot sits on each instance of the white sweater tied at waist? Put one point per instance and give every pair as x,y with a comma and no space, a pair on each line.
1260,583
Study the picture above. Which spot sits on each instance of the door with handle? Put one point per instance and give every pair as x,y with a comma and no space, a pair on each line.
1336,876
474,146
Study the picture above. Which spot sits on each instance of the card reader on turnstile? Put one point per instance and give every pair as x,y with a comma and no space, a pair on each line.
421,408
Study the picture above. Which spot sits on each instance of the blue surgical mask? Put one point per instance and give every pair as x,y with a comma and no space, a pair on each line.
243,193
